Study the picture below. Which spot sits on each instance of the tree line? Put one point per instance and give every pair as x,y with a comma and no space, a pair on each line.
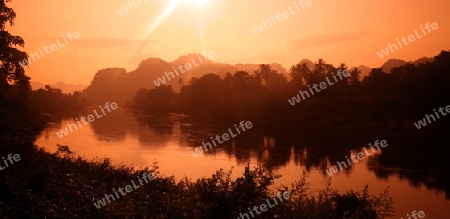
404,94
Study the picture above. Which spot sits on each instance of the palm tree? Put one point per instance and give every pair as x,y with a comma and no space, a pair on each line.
342,66
300,73
263,72
320,66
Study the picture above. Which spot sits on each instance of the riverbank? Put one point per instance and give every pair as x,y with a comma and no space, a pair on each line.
64,185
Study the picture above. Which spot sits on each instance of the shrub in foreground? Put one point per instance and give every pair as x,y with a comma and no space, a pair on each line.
63,185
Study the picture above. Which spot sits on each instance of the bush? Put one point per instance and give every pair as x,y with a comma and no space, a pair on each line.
63,185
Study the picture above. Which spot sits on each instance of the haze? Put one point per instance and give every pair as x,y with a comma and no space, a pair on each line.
338,31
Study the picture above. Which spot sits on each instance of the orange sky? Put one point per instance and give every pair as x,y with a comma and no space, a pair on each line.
347,31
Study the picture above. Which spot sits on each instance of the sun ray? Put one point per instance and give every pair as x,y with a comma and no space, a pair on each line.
198,3
201,32
165,13
170,7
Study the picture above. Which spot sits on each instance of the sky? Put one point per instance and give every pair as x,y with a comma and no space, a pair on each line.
346,31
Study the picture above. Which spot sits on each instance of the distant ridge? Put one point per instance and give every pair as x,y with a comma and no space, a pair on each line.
65,88
116,84
394,63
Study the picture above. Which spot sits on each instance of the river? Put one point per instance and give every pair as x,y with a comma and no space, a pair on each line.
127,140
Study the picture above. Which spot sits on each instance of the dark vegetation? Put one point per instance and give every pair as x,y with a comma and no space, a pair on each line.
62,185
379,101
53,102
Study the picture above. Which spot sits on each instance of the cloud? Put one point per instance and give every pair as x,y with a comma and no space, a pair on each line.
94,43
326,39
106,42
79,58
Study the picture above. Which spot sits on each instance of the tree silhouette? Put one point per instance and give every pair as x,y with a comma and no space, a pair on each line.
354,78
160,98
320,66
11,70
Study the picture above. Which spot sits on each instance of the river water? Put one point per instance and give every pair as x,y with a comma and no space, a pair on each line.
127,140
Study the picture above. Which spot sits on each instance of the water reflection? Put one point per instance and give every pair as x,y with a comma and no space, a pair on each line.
408,163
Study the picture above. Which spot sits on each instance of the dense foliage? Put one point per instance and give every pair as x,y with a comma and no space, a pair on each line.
53,102
404,95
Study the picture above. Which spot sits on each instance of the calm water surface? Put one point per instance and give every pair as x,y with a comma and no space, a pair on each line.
129,141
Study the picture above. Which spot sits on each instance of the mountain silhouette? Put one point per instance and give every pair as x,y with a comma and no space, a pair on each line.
65,88
364,71
423,60
115,84
392,63
118,85
309,63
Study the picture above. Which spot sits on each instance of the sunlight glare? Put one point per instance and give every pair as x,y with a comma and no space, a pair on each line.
170,7
165,13
197,3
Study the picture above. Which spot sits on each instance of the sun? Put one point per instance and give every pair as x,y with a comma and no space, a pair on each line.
197,3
